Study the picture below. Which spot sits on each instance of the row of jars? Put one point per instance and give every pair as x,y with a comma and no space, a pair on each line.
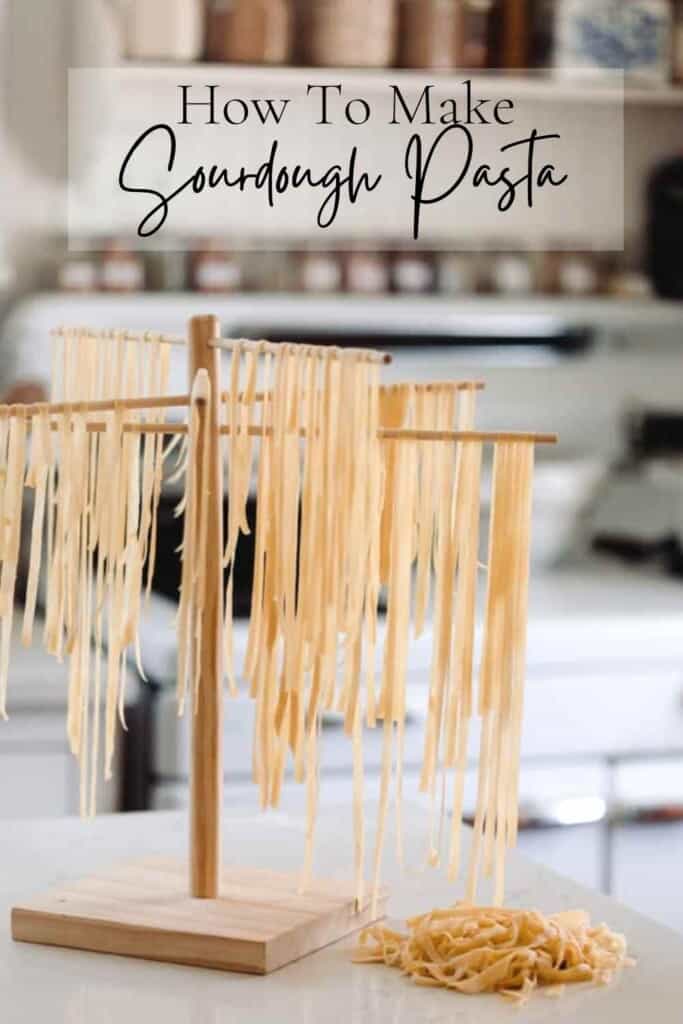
409,33
213,269
341,33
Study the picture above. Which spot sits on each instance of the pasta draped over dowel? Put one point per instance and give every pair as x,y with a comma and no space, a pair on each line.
344,517
96,490
104,489
317,533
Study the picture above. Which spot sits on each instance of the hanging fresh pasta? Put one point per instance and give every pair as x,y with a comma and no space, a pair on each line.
96,486
503,664
362,492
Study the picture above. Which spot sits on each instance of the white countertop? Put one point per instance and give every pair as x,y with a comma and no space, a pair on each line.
40,985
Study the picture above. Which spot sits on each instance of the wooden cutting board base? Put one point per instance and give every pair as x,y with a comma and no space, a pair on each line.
260,922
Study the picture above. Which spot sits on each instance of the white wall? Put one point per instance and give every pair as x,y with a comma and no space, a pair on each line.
33,48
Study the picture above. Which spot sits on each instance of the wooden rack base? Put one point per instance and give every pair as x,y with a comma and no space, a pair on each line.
260,922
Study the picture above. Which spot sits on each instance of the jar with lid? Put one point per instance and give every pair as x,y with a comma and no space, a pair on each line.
512,273
249,31
628,283
577,273
348,33
122,269
216,269
631,35
78,271
367,272
428,33
321,271
457,273
164,29
413,272
475,34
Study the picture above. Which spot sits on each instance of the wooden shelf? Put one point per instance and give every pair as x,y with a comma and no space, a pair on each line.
544,86
430,312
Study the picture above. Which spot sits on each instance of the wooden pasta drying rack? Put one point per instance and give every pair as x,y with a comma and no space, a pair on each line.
228,918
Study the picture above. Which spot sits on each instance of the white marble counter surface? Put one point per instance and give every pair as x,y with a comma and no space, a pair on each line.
50,986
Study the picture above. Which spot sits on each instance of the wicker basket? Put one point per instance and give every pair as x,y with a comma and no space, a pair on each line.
349,33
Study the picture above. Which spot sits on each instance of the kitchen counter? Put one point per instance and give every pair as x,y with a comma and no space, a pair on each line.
64,987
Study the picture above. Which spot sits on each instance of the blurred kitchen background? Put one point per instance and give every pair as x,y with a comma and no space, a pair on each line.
571,339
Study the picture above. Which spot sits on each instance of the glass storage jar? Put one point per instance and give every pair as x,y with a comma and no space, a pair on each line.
164,29
249,31
348,33
428,33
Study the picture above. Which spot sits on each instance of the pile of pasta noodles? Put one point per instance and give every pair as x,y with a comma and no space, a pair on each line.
473,950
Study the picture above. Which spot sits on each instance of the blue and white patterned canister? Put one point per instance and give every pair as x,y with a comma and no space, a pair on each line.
629,35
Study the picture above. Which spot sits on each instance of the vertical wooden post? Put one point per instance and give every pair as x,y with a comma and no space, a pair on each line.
206,785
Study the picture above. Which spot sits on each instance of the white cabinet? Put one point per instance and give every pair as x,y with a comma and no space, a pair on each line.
646,870
575,852
646,850
39,778
34,784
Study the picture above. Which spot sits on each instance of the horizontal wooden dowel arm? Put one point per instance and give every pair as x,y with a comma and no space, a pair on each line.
400,434
108,334
484,436
99,427
407,434
273,347
100,405
156,428
430,387
434,386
